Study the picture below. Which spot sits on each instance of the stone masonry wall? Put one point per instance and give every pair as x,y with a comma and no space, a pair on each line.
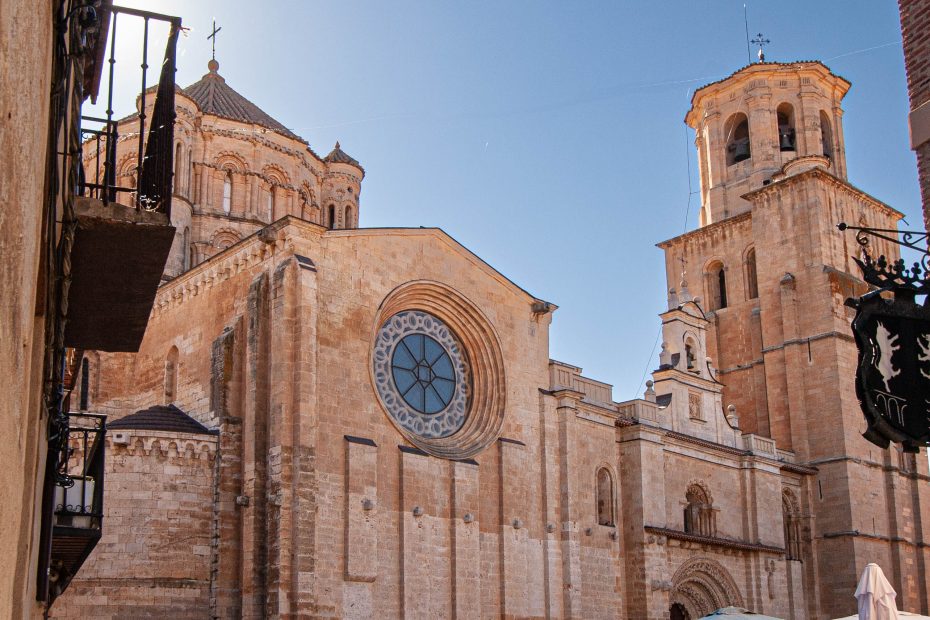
153,560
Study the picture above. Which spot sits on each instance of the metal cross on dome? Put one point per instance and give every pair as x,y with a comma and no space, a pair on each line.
761,41
213,37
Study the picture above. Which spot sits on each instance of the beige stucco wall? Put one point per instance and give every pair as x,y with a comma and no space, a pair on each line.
25,63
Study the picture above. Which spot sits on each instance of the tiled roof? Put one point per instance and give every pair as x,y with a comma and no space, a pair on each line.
162,418
338,156
214,96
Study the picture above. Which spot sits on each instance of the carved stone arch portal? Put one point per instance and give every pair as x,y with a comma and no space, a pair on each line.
703,585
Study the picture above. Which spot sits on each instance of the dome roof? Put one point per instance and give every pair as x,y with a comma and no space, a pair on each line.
338,156
214,96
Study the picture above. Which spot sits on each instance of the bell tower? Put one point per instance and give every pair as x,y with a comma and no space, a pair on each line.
771,272
757,121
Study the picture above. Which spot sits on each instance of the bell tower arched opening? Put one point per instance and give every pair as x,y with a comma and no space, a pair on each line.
736,130
786,133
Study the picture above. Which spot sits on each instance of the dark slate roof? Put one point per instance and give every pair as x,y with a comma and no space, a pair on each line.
214,96
338,156
162,418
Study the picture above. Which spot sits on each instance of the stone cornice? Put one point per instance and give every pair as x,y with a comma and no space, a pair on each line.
166,444
776,187
257,247
708,230
713,541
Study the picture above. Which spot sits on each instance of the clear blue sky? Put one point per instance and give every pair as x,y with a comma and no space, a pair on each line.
547,137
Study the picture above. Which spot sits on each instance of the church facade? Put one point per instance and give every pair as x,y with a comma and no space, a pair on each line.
331,421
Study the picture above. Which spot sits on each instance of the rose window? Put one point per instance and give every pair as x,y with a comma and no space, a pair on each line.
422,374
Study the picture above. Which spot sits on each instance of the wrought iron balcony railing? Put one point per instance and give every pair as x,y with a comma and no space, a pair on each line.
154,139
76,496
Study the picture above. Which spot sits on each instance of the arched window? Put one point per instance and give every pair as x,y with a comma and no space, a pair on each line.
269,203
190,172
752,281
699,512
716,286
786,135
348,217
171,376
227,193
736,130
826,135
185,248
85,384
177,169
331,213
605,498
792,524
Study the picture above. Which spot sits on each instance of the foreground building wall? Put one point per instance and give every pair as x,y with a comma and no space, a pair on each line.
26,31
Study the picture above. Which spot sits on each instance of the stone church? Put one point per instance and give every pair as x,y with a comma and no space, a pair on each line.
332,421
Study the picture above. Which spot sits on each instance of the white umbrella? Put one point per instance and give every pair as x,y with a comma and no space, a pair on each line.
875,595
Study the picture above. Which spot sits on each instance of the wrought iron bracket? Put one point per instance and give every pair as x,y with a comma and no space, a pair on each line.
895,275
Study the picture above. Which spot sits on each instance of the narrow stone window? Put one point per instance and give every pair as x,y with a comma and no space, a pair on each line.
716,286
736,130
171,375
269,203
331,213
752,281
348,217
605,498
699,512
185,248
826,135
177,169
792,524
227,193
786,133
85,384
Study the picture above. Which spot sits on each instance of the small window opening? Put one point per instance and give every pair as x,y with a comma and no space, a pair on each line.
786,133
605,498
826,135
737,135
178,162
331,213
689,357
348,217
752,281
227,193
171,376
717,286
185,253
269,203
85,384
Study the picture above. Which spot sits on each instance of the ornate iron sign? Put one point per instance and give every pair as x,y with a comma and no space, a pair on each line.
892,333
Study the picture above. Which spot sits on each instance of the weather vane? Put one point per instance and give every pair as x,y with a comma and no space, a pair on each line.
761,41
215,30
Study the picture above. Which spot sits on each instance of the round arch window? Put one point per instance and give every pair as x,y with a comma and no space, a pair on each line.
422,374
